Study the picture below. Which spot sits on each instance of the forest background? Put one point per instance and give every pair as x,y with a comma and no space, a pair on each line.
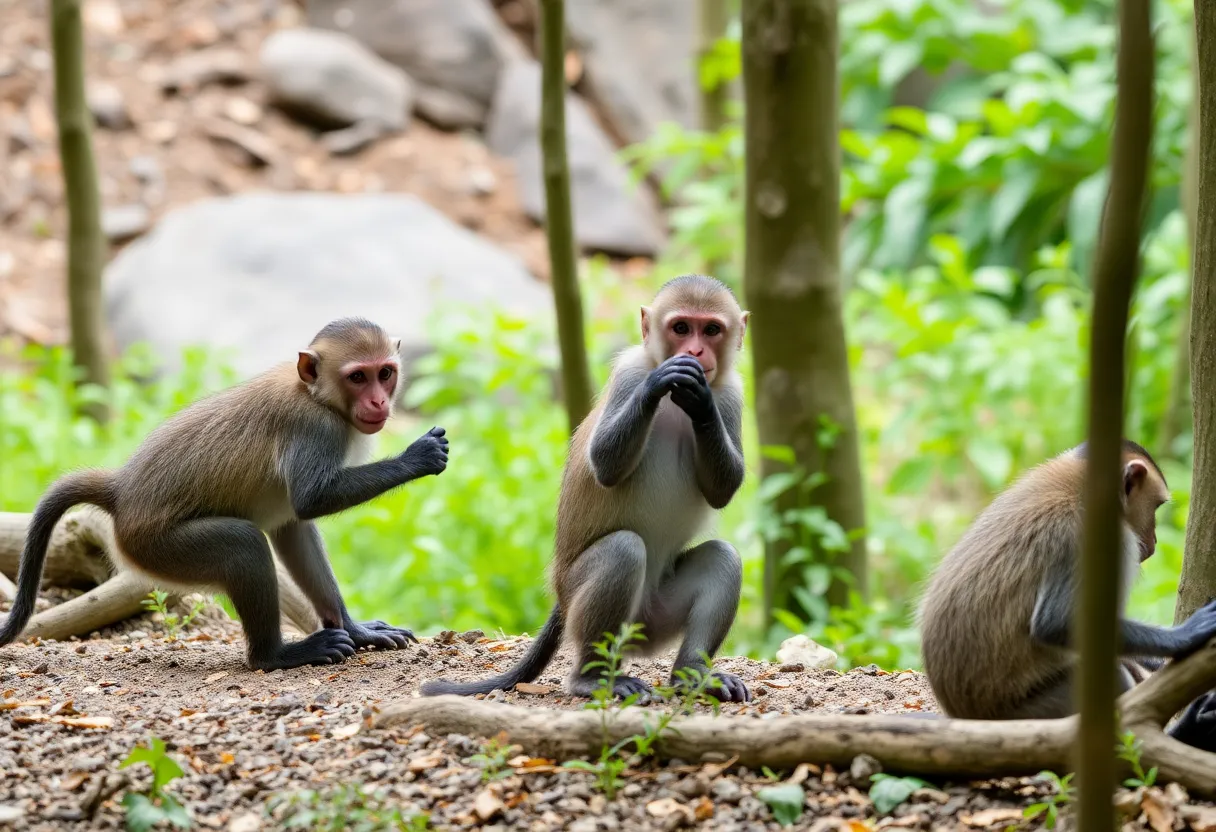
969,226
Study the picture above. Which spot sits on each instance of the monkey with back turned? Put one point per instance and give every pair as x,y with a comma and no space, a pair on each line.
647,468
193,505
996,618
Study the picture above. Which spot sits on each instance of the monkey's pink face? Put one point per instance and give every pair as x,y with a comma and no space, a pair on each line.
699,335
369,387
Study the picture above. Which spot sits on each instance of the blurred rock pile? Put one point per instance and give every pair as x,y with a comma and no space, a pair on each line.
202,101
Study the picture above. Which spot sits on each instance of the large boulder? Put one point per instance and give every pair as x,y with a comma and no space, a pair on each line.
453,49
257,275
611,213
640,58
331,80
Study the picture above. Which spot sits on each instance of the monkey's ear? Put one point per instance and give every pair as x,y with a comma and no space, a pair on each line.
743,317
1134,474
645,323
397,347
306,366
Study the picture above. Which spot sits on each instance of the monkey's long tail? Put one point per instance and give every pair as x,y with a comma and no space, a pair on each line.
92,487
533,662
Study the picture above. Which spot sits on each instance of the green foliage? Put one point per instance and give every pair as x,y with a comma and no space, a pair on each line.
1129,751
1050,809
346,808
145,811
691,689
156,602
785,801
492,759
889,791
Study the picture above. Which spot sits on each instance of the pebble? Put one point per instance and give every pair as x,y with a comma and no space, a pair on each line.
863,768
120,224
727,791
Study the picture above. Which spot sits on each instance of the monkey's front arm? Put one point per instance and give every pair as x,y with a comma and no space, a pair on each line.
318,484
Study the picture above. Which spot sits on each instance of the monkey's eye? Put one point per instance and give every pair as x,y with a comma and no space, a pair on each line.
386,373
358,377
680,328
712,329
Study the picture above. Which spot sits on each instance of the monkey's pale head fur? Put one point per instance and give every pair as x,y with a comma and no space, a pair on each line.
353,367
695,315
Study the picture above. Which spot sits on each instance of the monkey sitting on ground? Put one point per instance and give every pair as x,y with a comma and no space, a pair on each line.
647,469
270,455
996,619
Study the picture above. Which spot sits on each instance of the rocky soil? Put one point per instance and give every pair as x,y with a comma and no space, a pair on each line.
74,710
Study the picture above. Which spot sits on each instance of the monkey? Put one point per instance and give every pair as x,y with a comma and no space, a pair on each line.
195,503
996,617
658,455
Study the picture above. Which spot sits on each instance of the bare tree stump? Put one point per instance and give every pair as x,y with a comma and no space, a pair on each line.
960,748
83,555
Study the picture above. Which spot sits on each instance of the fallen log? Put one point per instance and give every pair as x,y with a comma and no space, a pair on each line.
958,748
82,555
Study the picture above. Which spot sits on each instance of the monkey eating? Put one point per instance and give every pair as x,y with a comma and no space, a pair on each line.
996,619
193,506
659,454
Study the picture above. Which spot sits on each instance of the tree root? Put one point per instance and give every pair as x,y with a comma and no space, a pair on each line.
961,748
82,554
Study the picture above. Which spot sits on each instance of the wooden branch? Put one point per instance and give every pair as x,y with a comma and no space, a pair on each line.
79,552
972,748
945,747
115,600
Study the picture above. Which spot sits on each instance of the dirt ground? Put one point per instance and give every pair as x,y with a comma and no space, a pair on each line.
73,710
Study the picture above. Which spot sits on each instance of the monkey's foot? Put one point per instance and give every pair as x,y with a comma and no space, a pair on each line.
625,687
379,634
1197,725
729,687
328,646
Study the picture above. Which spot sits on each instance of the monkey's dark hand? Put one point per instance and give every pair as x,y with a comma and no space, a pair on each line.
1197,630
692,394
428,454
378,634
726,687
1197,725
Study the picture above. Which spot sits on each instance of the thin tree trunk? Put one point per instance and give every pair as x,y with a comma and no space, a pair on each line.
792,274
1198,581
715,14
86,243
1180,381
1115,269
576,377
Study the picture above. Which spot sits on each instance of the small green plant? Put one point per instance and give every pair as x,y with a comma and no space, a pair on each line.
493,759
769,774
157,601
889,791
348,808
1129,750
1050,808
785,801
691,687
147,810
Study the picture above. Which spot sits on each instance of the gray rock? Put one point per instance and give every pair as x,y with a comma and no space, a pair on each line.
331,80
640,58
457,46
863,768
106,103
259,274
448,110
125,222
611,213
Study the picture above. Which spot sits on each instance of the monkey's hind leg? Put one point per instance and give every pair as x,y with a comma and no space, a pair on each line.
302,551
700,599
607,580
233,555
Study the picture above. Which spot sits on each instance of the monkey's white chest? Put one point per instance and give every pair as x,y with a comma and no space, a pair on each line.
359,447
669,508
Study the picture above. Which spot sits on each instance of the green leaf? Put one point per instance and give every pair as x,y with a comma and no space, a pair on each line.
897,61
785,801
142,813
1009,201
912,475
1085,214
888,792
991,458
903,216
176,813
